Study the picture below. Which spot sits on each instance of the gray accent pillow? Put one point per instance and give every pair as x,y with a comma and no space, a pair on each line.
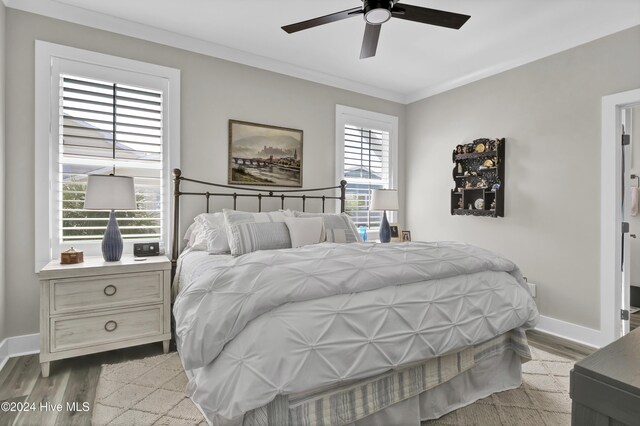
338,227
248,232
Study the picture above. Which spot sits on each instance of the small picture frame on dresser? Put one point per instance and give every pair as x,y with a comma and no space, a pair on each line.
395,232
406,236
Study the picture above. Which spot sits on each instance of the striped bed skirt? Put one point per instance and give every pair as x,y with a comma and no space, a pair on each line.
355,400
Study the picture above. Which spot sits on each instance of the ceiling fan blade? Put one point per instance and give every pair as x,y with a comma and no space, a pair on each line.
299,26
429,16
370,41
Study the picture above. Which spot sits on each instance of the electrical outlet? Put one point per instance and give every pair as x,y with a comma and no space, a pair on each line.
532,289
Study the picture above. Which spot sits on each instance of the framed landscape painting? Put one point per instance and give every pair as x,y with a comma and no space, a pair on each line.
264,155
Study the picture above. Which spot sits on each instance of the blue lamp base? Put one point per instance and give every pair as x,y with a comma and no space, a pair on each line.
385,230
112,241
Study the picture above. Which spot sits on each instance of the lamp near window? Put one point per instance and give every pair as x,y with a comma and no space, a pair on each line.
384,199
110,192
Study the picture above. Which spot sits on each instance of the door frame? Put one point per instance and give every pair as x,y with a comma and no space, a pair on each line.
611,213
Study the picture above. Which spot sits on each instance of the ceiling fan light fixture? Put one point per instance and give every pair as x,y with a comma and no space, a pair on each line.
377,16
377,12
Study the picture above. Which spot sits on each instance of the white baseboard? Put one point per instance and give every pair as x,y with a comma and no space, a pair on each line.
569,331
30,343
4,353
18,346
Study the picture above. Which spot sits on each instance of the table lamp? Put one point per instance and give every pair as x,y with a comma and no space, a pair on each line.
110,192
384,199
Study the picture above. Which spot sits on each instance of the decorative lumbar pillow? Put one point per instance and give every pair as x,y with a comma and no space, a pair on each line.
305,231
248,232
338,227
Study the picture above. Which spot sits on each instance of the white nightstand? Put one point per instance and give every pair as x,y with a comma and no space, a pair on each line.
96,306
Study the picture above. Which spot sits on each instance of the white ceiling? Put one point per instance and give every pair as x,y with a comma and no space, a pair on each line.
413,60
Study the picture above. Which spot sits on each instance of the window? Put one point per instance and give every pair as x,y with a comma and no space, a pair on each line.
99,114
108,127
366,158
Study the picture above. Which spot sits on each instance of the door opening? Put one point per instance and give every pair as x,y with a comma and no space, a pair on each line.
630,219
614,289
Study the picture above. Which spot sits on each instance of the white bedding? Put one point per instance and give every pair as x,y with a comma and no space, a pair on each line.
287,321
192,264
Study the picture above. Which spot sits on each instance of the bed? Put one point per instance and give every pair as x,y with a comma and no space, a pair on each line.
339,333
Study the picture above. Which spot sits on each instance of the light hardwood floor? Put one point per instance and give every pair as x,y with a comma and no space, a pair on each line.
75,380
71,380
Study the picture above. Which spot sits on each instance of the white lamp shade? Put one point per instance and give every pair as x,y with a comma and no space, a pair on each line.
109,192
384,199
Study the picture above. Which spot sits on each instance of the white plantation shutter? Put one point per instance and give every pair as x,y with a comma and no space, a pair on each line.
93,113
366,166
366,157
106,125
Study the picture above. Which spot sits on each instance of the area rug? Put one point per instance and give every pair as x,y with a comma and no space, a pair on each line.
150,391
542,400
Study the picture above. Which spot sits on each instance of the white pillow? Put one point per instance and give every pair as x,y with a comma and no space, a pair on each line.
197,240
248,232
213,235
189,234
305,231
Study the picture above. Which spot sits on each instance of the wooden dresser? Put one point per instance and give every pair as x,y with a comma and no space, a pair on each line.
97,306
605,386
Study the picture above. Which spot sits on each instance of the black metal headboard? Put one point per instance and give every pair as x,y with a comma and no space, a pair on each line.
258,193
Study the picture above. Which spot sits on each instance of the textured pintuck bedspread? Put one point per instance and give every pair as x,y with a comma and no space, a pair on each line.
287,321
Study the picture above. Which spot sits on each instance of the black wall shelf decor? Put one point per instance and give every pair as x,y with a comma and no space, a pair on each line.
478,175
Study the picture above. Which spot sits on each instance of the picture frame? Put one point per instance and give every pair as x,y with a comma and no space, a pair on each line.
395,232
264,155
406,236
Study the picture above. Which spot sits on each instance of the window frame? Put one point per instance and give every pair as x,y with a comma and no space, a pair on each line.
52,60
372,120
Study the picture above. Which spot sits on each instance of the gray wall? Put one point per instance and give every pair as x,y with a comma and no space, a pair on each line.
549,111
213,91
2,172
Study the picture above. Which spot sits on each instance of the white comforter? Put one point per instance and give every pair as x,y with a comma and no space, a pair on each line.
287,321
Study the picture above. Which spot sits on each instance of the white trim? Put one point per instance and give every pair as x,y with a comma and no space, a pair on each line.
3,160
50,59
369,119
4,352
611,212
11,347
569,331
568,41
30,343
77,15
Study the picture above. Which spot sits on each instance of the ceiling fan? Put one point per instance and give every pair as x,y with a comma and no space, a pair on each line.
376,13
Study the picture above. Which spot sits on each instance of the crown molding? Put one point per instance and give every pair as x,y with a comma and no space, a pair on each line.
76,15
532,54
80,16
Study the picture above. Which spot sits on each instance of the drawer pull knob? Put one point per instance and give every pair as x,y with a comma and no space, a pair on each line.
110,326
110,290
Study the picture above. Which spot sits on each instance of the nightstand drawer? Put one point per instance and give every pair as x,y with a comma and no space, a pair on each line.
107,327
106,291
